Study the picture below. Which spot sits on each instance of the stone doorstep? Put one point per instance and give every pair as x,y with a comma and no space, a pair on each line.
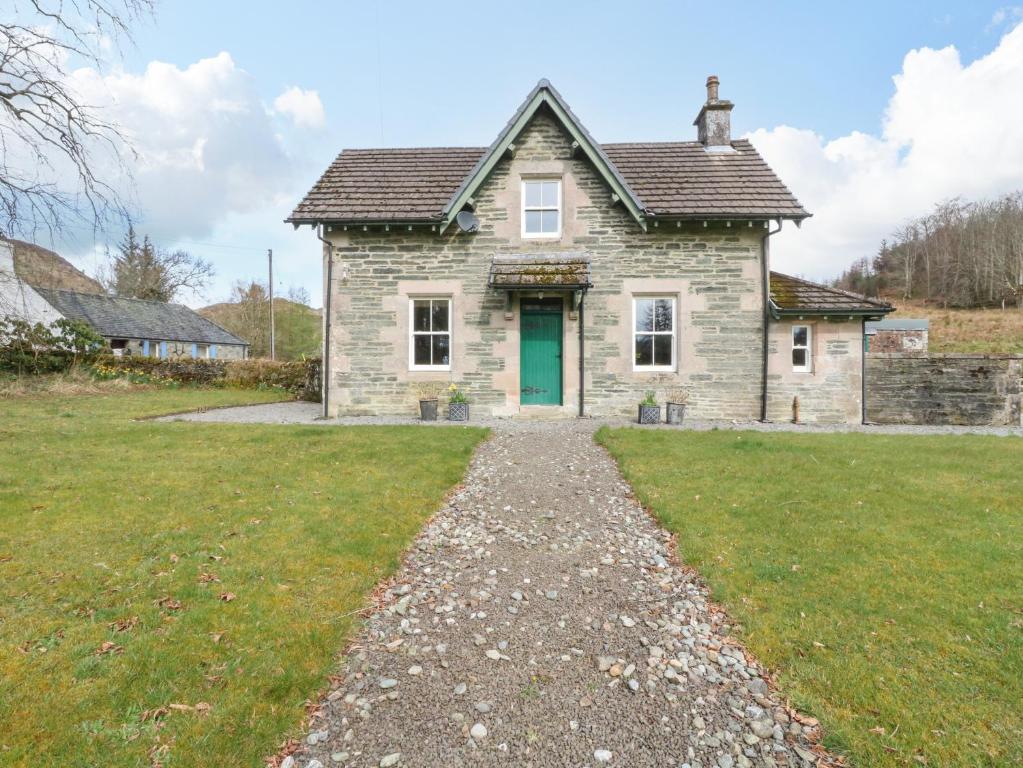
545,413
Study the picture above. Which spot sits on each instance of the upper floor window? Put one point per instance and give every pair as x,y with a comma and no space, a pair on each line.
430,337
653,338
802,358
541,208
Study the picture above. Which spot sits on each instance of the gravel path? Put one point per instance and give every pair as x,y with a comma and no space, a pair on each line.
540,620
309,413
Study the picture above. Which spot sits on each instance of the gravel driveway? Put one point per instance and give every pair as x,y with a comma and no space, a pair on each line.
309,413
540,619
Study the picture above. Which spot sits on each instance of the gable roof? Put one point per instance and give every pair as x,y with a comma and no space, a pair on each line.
794,296
544,94
431,185
117,317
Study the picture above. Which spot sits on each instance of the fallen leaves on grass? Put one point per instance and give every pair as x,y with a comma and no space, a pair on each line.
108,647
169,603
227,597
202,708
123,625
208,578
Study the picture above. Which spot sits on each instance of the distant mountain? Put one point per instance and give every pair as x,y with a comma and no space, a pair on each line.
42,267
298,327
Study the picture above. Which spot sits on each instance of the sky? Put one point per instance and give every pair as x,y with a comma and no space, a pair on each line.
871,112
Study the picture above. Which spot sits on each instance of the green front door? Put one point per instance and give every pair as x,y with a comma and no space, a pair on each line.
540,357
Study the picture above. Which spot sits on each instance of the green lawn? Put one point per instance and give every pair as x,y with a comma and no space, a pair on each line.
881,577
172,593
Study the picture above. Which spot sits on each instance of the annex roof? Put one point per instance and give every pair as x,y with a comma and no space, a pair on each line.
117,317
795,296
653,179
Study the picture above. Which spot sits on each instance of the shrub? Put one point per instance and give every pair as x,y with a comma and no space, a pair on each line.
33,349
299,378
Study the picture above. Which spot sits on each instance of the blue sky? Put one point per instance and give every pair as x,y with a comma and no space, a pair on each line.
444,73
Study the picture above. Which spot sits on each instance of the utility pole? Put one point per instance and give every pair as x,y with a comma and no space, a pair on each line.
270,258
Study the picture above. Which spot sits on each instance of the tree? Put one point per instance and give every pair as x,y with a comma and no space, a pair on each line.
57,153
247,315
140,270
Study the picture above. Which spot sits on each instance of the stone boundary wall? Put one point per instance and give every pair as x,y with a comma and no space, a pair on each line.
906,388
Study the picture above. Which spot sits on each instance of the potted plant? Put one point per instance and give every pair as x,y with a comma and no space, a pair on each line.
428,394
649,410
458,404
677,398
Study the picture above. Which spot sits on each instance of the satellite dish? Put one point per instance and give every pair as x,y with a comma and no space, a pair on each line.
467,221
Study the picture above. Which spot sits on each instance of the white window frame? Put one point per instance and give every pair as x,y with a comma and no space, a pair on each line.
202,351
674,333
412,333
559,208
808,368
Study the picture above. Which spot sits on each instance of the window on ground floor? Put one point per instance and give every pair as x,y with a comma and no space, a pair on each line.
430,337
802,357
653,337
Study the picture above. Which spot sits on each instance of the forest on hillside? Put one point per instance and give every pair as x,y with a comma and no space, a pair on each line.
298,326
961,254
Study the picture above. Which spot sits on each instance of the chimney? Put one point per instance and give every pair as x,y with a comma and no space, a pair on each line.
713,124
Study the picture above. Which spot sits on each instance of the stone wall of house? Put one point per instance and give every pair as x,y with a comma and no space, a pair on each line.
944,389
712,271
832,391
183,349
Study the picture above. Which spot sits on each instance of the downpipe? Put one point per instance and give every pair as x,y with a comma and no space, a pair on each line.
325,359
765,280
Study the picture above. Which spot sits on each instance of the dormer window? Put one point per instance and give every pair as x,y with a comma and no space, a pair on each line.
541,208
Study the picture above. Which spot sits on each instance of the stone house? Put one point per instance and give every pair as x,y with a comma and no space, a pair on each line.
548,273
148,328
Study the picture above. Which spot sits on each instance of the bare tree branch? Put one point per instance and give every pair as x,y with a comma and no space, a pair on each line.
58,154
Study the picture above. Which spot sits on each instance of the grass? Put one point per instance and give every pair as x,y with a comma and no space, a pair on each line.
172,594
976,331
881,577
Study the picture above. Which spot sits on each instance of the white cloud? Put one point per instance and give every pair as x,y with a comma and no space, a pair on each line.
948,130
1010,13
303,107
206,145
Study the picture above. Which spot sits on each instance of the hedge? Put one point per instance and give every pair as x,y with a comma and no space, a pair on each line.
300,378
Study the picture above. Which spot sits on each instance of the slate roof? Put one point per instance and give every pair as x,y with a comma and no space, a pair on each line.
792,295
116,317
684,180
668,179
671,180
540,270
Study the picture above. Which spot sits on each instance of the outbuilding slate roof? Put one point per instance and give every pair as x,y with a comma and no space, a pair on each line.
794,296
116,317
667,179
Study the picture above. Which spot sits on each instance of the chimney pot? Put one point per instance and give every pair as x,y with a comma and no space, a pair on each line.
713,124
712,88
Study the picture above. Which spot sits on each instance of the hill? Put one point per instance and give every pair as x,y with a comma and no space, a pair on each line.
42,267
299,327
987,331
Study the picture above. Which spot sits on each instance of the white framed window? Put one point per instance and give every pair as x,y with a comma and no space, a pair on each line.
802,346
541,208
653,333
202,351
430,334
